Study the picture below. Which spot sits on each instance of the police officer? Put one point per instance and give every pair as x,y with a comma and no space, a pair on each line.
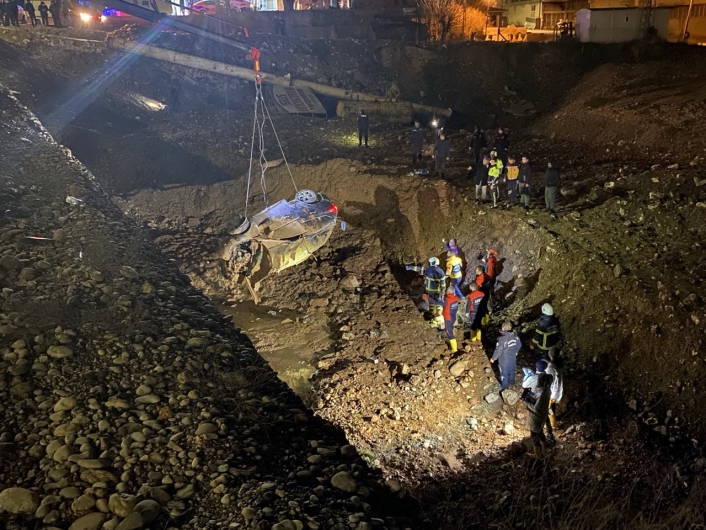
434,287
449,313
416,138
506,355
547,335
363,127
494,180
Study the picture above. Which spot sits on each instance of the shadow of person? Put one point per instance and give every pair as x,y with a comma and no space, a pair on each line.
386,219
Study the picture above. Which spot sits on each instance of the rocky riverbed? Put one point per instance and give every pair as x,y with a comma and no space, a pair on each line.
128,401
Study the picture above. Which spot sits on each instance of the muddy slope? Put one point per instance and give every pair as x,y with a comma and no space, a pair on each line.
126,396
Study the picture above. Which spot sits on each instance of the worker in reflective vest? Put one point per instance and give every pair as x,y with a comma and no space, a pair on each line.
454,266
434,287
547,335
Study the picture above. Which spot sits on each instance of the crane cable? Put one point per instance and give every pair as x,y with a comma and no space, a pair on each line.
261,118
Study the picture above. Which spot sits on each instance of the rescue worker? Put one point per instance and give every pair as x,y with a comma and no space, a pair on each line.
491,271
363,127
475,311
482,180
511,173
453,246
502,144
416,138
454,266
43,13
482,282
494,181
547,335
481,279
551,182
525,181
449,313
434,287
557,392
539,396
478,143
442,150
506,355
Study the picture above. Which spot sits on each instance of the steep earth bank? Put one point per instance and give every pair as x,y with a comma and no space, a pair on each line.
128,401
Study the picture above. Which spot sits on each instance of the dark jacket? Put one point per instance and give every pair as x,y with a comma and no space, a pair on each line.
43,9
442,149
478,141
506,349
417,137
548,332
525,176
13,9
538,411
551,177
29,7
3,9
502,143
363,122
482,175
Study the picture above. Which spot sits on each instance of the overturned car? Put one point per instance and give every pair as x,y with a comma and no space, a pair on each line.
280,236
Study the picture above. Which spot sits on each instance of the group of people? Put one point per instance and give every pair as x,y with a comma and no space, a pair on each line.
11,12
489,169
447,304
443,297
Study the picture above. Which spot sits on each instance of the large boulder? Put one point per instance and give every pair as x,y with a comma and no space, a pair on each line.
343,481
19,501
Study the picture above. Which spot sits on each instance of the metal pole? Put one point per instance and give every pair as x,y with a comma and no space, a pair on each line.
686,22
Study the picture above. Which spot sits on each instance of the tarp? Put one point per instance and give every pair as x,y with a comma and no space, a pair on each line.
297,100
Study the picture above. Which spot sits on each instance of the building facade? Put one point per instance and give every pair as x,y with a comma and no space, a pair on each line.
538,14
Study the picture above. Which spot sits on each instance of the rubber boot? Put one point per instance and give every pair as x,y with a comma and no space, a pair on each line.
535,452
485,320
475,335
544,450
453,345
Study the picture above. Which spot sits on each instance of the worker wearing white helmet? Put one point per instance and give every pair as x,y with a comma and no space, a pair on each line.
434,287
547,335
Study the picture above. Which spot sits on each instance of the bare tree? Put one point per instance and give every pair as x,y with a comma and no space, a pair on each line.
447,19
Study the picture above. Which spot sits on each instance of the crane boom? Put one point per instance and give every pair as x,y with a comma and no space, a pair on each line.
151,15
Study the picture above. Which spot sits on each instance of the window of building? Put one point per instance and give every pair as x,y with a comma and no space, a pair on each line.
533,8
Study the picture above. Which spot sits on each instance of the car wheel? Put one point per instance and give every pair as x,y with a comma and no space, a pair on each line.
307,196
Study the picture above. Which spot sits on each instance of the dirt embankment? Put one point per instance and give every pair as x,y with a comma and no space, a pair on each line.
127,398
